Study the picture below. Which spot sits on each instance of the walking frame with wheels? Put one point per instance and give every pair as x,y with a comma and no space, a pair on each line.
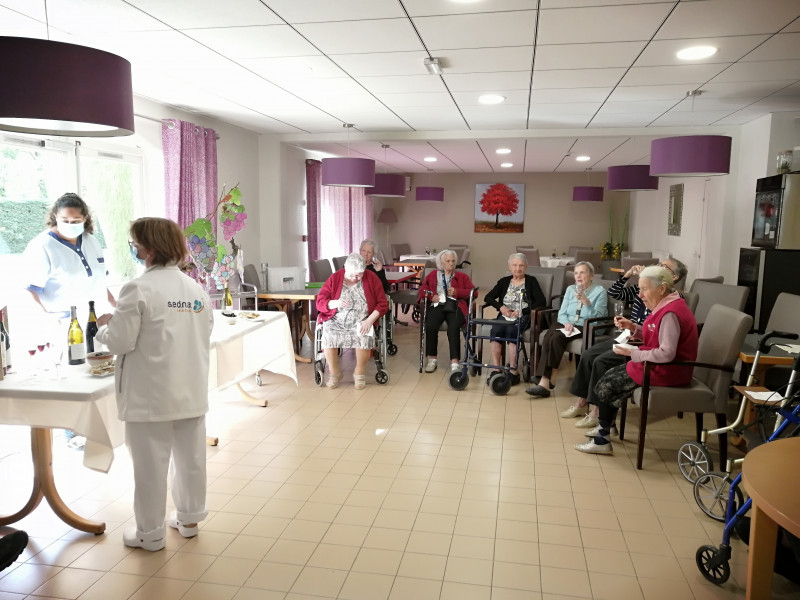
383,347
716,491
469,350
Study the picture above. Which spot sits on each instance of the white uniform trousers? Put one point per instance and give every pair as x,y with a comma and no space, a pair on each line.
151,445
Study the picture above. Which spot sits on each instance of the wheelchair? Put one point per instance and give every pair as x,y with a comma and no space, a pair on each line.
383,344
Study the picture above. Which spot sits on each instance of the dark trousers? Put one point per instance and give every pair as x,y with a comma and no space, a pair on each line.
433,320
593,364
553,345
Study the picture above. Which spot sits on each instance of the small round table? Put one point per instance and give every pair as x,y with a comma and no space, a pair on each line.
768,476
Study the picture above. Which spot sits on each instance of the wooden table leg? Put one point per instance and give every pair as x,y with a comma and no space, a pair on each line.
305,330
44,486
251,399
761,555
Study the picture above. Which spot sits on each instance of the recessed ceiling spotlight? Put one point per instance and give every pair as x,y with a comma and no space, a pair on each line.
491,99
503,151
696,52
583,158
430,159
506,165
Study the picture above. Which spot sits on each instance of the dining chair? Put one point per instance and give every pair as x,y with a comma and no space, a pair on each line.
557,287
573,250
630,261
400,249
590,256
717,279
717,352
709,294
292,309
532,256
321,269
648,254
338,262
691,299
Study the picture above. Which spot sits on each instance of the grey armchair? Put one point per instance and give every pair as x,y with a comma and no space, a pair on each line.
717,352
710,294
573,250
321,269
399,249
338,262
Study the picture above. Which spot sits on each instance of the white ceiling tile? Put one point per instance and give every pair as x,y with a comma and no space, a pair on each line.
559,96
156,47
644,93
776,104
769,70
260,41
728,17
423,100
710,104
477,82
487,60
516,156
559,122
648,106
34,10
576,78
688,74
442,119
793,27
581,3
779,47
321,88
418,8
15,24
602,24
485,30
587,56
571,108
511,97
740,117
292,68
354,37
729,50
748,89
313,121
403,83
789,90
496,117
314,11
686,119
208,13
380,64
462,153
623,119
100,15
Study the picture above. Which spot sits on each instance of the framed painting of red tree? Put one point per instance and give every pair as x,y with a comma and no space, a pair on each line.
499,207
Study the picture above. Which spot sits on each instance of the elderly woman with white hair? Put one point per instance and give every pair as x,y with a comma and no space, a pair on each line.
349,304
669,333
514,296
448,291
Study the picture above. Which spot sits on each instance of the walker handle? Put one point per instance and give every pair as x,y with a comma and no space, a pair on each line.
763,346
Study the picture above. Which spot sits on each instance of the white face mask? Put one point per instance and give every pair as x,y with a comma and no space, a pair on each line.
70,230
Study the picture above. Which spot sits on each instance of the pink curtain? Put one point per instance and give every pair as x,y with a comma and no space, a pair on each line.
190,171
346,212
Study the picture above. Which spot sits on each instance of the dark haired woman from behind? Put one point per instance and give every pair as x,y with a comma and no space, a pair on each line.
160,333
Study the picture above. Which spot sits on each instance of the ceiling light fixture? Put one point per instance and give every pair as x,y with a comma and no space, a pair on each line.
690,156
491,99
696,52
54,88
503,151
387,185
430,159
583,158
587,193
506,165
429,193
433,66
631,178
349,171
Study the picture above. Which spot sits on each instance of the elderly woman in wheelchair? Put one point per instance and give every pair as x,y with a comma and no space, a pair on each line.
350,303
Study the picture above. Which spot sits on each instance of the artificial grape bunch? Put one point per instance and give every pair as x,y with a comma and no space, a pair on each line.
223,271
232,214
202,243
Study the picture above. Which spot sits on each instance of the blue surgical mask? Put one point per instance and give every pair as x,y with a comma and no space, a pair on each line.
135,255
69,230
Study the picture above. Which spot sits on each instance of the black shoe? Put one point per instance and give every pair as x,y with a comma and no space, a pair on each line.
537,379
515,379
538,391
11,546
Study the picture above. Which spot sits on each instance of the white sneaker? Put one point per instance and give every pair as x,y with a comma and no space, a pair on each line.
572,411
455,367
431,366
595,431
591,448
587,421
187,532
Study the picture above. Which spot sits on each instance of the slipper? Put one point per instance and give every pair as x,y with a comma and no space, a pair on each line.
538,391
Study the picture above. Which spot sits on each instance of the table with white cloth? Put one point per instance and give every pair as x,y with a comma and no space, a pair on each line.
556,261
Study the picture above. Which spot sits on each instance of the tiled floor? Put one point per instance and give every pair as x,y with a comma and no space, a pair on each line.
408,490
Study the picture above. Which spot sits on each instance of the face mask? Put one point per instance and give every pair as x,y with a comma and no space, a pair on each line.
69,230
135,255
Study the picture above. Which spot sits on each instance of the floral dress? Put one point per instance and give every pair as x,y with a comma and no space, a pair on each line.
342,330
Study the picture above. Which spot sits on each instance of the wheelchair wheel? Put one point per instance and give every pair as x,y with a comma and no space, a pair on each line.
526,371
694,460
499,384
391,349
458,380
712,564
382,377
711,494
319,372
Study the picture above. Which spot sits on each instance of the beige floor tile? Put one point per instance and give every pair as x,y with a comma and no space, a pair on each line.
395,519
466,546
316,581
293,552
68,583
469,570
604,539
517,530
405,588
229,571
422,566
160,588
647,543
452,590
516,576
566,557
186,565
27,577
305,531
114,585
143,563
373,560
607,586
366,586
475,526
211,591
386,539
274,576
563,535
429,543
610,562
248,546
59,553
665,589
435,523
516,551
329,556
226,523
656,567
569,582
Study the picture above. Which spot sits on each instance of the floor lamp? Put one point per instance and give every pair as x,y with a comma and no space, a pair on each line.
387,216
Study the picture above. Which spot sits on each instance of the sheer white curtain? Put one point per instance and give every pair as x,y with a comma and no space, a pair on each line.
345,217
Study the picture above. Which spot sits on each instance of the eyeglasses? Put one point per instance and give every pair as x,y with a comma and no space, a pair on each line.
666,266
132,245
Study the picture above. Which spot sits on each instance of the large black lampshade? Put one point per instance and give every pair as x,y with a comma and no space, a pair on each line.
53,88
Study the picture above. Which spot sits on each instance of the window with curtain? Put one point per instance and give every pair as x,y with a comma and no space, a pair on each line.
338,217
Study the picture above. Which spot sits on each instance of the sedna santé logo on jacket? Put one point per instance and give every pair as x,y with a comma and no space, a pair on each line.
196,306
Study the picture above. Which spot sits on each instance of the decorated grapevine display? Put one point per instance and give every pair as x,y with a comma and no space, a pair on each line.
212,258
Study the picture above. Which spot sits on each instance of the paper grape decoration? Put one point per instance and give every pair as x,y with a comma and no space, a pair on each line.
223,271
232,215
202,244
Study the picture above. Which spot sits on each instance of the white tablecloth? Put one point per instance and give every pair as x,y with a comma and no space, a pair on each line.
87,404
419,257
558,261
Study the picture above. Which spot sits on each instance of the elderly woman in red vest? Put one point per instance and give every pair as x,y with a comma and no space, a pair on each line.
668,334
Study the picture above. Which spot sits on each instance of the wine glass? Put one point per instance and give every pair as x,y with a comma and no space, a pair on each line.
619,310
32,360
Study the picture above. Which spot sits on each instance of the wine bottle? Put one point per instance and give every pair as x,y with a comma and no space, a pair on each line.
91,328
6,345
75,346
228,298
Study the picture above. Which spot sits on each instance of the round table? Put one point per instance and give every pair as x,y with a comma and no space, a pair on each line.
767,475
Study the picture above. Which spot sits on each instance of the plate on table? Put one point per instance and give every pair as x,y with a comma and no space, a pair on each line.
250,316
102,371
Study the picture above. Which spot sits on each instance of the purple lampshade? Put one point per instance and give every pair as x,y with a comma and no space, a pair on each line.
587,193
53,88
691,156
629,178
348,172
388,185
430,194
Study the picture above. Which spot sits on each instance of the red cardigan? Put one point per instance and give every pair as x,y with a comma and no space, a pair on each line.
460,281
332,290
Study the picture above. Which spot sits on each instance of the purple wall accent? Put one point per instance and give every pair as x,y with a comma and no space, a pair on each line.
430,194
690,155
348,172
587,193
631,177
389,185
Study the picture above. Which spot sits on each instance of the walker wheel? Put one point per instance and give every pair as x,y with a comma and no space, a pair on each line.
694,460
382,377
499,384
711,494
458,380
416,315
712,564
318,373
526,372
391,349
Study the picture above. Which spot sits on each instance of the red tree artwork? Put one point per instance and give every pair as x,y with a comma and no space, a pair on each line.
499,199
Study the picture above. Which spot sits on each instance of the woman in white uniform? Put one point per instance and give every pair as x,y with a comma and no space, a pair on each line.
160,333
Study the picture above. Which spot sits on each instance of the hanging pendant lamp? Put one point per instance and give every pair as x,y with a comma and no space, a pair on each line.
348,171
587,193
54,88
631,178
429,193
388,185
691,156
